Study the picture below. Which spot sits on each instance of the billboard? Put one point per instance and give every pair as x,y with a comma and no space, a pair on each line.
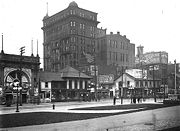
155,58
137,73
106,79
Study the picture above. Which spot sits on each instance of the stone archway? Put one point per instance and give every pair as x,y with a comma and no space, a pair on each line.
17,74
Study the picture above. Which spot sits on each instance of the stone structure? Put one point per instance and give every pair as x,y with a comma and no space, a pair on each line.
23,68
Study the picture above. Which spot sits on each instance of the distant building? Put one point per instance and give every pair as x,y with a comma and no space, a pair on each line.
171,78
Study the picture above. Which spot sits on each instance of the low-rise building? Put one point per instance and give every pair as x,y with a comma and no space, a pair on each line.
67,85
135,84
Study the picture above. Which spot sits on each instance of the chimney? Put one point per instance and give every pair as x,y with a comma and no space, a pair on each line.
111,33
118,33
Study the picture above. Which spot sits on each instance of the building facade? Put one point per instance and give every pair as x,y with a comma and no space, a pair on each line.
71,37
115,49
67,85
23,68
133,84
67,35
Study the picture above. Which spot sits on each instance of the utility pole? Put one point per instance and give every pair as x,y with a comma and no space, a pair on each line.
175,92
122,86
142,91
95,70
154,86
22,51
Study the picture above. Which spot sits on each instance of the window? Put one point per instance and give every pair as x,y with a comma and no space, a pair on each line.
116,56
110,55
128,83
137,83
93,17
46,84
127,58
70,84
71,23
75,84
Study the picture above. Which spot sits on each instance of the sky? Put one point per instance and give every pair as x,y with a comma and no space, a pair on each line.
154,24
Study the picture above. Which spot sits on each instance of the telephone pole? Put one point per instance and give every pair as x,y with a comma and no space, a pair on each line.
175,92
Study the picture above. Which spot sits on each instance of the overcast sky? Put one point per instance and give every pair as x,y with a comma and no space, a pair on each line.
154,24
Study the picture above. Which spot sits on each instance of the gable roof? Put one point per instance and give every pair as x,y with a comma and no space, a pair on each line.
73,73
132,77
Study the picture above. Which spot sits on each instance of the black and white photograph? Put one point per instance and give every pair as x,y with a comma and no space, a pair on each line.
89,65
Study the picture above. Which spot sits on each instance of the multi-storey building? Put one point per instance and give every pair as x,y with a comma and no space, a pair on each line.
115,50
67,35
71,37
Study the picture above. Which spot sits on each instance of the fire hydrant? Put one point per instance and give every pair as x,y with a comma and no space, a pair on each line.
53,106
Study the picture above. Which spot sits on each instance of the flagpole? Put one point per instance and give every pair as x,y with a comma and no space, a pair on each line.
2,44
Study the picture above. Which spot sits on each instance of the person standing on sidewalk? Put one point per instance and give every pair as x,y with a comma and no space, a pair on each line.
114,100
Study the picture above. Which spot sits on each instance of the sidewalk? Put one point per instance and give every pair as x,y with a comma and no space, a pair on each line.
65,106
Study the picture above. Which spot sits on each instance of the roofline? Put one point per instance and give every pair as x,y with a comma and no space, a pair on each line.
65,10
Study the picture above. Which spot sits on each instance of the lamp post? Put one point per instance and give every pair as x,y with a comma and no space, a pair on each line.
154,85
16,87
122,86
22,51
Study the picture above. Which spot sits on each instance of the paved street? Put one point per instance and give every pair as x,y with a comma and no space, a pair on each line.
145,120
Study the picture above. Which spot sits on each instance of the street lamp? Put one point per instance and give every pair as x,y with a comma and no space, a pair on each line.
16,87
22,51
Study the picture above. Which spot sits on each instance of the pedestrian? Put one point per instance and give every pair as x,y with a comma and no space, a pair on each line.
134,100
138,99
114,100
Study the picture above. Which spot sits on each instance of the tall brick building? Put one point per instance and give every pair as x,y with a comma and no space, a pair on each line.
72,32
67,35
115,50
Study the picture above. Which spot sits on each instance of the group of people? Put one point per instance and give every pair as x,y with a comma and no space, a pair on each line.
133,100
138,99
